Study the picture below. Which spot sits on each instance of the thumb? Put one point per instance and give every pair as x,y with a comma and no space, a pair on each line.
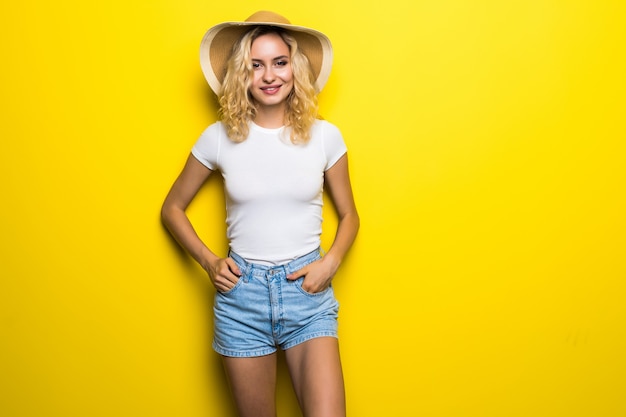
297,274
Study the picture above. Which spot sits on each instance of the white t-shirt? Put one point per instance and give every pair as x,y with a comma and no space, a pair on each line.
273,188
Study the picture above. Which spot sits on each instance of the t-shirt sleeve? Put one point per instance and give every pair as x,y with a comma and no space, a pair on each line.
334,145
207,147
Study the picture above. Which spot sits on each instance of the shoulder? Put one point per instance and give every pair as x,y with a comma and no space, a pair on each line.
330,139
207,147
324,127
216,129
327,133
212,135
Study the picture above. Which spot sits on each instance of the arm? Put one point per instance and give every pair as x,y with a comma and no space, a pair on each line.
223,272
319,274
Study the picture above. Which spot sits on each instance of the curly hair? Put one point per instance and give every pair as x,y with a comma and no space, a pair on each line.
238,108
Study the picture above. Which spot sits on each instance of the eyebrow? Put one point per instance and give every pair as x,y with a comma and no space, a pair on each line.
273,59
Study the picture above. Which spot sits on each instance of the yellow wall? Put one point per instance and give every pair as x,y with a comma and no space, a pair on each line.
488,159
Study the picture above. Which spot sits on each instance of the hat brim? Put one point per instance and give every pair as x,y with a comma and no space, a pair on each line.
216,47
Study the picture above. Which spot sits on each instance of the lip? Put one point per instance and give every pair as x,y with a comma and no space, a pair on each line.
271,89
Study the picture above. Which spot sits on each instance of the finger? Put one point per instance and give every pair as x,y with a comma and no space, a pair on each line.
225,282
232,266
224,287
226,275
312,288
297,274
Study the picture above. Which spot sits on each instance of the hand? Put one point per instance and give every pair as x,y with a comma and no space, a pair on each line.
317,275
224,274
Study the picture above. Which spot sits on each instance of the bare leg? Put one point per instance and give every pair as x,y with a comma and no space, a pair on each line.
315,369
253,384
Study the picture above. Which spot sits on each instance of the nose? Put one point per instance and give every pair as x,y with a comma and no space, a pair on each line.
268,75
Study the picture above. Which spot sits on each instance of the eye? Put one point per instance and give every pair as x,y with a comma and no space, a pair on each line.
282,63
256,65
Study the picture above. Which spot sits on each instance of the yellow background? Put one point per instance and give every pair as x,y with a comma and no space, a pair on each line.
487,153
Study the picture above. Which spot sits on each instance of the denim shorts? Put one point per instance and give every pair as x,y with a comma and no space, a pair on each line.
265,311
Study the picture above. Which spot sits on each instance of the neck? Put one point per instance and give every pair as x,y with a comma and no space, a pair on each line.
270,117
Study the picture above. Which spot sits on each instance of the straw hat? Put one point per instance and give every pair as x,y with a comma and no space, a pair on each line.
218,42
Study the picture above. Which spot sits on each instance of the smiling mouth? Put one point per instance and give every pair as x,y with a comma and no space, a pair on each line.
271,89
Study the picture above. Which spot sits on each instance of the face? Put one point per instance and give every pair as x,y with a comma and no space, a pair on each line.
273,77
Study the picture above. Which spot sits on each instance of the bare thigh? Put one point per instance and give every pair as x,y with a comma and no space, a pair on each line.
315,369
253,384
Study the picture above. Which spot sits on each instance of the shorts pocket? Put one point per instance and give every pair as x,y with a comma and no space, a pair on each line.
298,284
238,284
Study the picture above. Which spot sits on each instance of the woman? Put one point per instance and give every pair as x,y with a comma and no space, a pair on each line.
275,155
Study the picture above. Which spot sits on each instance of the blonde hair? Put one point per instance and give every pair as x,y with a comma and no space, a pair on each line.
237,107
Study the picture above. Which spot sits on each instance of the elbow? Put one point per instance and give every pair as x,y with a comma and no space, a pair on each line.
166,212
354,220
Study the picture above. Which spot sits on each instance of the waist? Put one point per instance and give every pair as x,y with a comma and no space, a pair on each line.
259,269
